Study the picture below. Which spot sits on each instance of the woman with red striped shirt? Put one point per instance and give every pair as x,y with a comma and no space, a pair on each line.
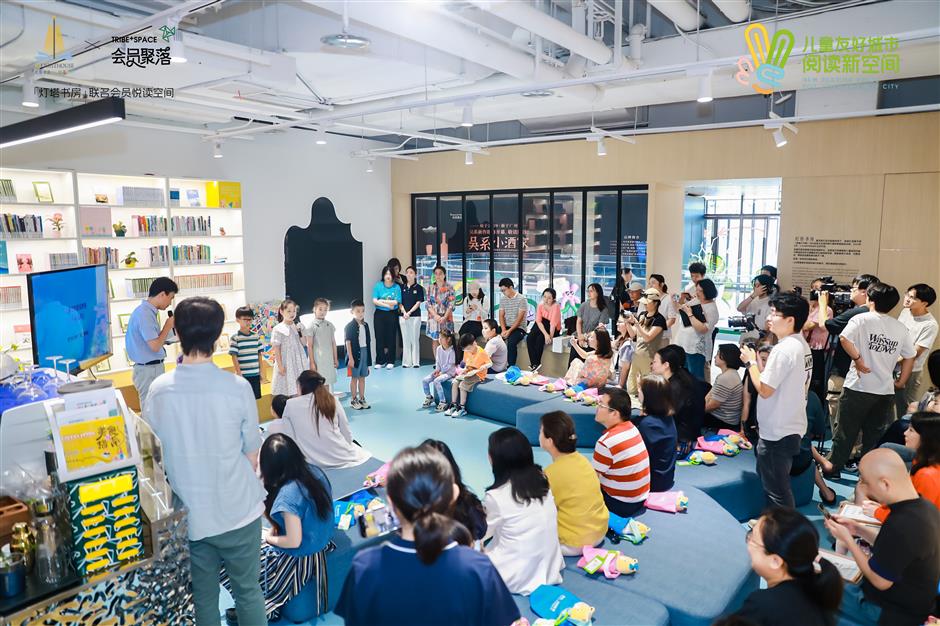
620,457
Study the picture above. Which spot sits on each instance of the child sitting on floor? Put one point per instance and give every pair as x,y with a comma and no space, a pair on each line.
276,425
476,363
445,367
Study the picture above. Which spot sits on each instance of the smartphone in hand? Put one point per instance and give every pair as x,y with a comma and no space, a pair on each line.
824,510
379,521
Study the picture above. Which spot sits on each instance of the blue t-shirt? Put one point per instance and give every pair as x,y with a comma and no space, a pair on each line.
316,532
461,587
659,435
381,292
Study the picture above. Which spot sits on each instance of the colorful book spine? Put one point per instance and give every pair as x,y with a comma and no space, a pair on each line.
188,225
60,260
192,255
98,256
11,297
14,226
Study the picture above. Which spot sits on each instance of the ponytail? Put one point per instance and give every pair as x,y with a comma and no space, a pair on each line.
324,403
433,532
824,587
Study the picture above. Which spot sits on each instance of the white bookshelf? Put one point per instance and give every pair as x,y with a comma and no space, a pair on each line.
85,198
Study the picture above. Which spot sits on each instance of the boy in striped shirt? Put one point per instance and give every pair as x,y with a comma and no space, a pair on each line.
245,348
620,457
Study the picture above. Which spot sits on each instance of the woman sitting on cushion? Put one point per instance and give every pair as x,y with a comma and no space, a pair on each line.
468,510
723,403
658,430
594,370
299,507
582,514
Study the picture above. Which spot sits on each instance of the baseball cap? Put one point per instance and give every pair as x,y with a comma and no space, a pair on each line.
635,286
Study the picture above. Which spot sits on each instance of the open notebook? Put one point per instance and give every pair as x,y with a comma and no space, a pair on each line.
846,565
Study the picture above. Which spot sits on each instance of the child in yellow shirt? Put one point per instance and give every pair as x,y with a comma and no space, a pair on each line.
476,363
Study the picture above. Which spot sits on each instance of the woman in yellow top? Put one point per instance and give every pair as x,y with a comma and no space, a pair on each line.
582,515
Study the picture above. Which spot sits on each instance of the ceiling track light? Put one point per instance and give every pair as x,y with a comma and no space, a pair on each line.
321,136
370,163
29,92
468,158
217,149
467,120
705,89
779,139
601,147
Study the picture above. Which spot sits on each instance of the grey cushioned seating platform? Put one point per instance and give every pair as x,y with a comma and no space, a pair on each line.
734,484
588,431
612,606
498,401
695,563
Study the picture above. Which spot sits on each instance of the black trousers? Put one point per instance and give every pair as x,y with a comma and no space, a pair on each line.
472,327
386,336
817,383
535,342
512,345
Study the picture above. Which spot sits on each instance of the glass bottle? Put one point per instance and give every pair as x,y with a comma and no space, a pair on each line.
50,564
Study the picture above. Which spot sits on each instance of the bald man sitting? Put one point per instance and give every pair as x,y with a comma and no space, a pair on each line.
903,571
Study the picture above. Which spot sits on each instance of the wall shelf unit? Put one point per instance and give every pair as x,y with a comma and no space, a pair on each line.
171,231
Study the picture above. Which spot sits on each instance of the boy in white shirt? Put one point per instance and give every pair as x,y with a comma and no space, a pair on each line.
781,402
922,328
875,342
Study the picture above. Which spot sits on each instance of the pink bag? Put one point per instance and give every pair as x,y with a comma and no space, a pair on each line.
668,501
719,446
556,385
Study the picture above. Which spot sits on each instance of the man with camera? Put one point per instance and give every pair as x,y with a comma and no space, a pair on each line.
840,360
874,342
781,389
757,304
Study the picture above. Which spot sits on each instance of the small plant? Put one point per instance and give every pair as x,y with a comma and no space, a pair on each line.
57,221
130,260
119,228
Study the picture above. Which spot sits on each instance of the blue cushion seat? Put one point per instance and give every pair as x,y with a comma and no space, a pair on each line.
733,482
695,563
498,401
588,431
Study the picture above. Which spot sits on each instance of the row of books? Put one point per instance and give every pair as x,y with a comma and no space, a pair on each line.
150,224
97,256
159,256
198,283
141,196
191,225
192,255
60,260
7,192
11,297
14,226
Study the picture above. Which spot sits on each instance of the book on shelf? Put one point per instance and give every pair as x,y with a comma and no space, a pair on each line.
14,226
192,255
60,260
183,225
159,256
174,197
95,220
200,283
4,259
139,287
11,297
102,256
192,197
140,196
7,191
148,225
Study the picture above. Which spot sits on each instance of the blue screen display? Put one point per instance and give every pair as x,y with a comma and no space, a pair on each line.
69,314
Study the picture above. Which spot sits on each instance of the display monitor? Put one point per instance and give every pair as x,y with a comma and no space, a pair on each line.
69,315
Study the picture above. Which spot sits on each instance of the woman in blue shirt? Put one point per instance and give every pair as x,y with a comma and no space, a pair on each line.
658,429
427,575
299,507
386,296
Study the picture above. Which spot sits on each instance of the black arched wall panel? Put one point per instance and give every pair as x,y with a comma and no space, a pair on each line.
322,260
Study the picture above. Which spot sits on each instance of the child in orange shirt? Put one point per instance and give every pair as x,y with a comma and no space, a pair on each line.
476,363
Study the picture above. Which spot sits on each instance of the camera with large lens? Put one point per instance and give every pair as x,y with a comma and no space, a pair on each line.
840,296
743,321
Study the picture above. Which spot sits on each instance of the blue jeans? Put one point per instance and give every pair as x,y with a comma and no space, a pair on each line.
855,609
438,387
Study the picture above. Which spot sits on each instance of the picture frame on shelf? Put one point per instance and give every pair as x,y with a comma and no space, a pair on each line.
24,263
7,191
102,367
123,320
111,288
43,191
192,197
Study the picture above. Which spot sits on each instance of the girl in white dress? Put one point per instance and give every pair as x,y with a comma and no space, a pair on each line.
287,351
521,516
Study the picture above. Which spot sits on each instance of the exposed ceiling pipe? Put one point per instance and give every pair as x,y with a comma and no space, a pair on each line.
528,17
441,33
734,10
680,13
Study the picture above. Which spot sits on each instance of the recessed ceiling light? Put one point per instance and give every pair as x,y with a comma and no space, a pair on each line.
346,41
538,93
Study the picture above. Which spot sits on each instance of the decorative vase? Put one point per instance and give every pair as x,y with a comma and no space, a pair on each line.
56,234
120,233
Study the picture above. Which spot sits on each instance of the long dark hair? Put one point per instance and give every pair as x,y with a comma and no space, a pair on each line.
468,510
512,460
282,462
657,395
601,300
602,339
927,425
420,485
682,382
788,534
324,403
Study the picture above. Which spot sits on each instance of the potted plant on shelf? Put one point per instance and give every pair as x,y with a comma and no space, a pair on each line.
58,223
131,259
119,229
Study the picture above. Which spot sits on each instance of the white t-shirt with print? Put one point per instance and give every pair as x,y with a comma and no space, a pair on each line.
880,340
788,371
922,330
760,309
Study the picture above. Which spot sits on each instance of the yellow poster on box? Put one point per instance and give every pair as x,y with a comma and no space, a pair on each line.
224,194
94,442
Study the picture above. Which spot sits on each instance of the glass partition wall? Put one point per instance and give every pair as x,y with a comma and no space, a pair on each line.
565,238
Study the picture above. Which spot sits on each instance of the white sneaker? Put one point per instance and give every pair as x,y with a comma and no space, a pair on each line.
363,404
354,404
450,411
390,366
460,412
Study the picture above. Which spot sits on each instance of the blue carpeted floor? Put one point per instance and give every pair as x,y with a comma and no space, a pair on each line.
395,421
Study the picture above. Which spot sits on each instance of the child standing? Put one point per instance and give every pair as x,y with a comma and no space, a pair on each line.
477,362
321,343
445,367
358,354
287,351
245,348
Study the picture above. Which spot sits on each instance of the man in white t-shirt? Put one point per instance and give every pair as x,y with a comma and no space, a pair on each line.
781,401
922,329
696,273
758,303
874,341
